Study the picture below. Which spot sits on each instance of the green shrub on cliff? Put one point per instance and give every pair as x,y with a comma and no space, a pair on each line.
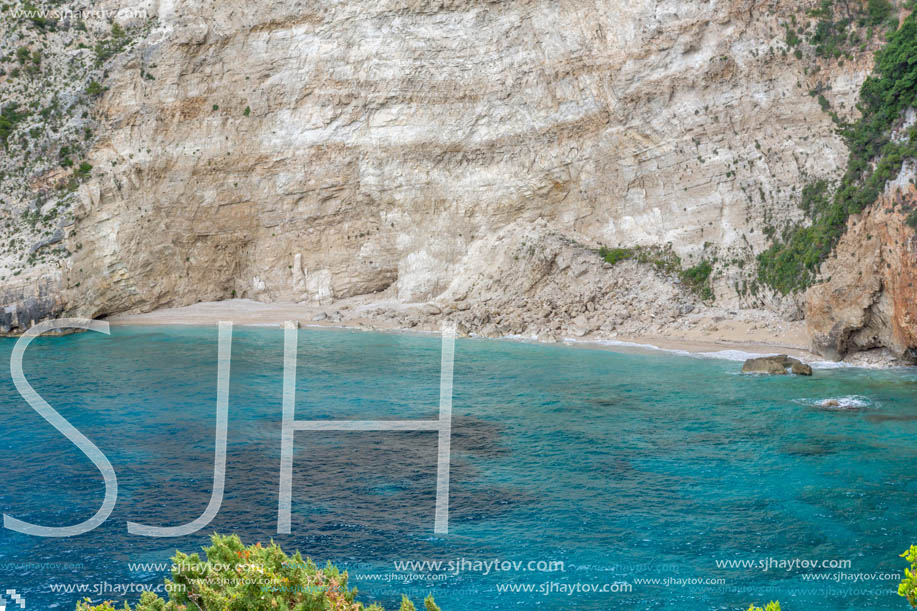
879,11
615,255
109,47
665,261
662,258
10,115
842,26
255,578
95,89
84,170
792,262
912,219
697,278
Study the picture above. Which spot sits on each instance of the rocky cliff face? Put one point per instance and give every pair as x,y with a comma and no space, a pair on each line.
53,58
308,152
317,151
865,301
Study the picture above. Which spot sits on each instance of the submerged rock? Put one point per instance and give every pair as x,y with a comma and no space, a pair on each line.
851,402
776,365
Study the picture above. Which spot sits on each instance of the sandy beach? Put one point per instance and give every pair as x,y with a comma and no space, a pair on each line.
709,333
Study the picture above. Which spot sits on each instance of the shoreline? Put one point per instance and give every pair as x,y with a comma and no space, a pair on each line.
734,342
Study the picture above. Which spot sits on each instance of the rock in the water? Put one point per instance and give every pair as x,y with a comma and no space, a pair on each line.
766,364
776,365
801,369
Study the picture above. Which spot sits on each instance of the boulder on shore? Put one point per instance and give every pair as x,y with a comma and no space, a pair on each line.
776,365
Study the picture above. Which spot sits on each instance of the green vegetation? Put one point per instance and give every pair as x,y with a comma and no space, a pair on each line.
30,60
663,259
844,27
94,89
830,38
45,121
276,582
912,219
109,47
792,262
697,278
10,115
771,606
823,102
613,255
879,11
40,22
64,155
815,198
908,586
792,38
247,111
666,261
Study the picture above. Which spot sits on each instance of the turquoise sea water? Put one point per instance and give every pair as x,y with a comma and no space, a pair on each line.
623,466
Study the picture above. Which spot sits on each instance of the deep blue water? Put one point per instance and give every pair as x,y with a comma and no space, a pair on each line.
621,465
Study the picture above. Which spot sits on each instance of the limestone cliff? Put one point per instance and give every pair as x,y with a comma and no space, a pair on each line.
288,151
